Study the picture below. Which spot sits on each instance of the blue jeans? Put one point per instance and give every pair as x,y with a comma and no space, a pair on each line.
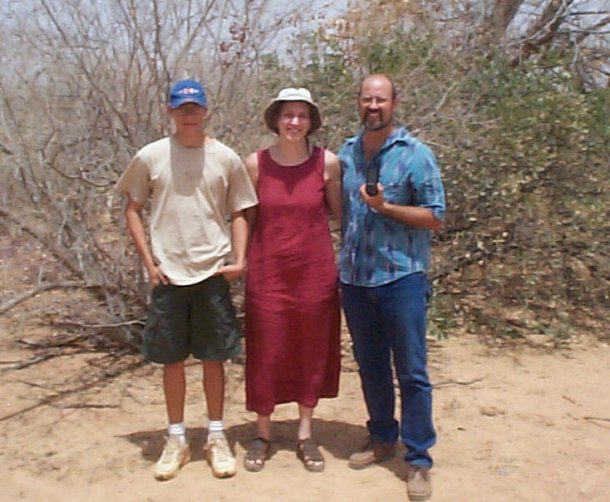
385,321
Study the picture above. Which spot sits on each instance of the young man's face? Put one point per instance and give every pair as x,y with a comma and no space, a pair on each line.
188,117
376,103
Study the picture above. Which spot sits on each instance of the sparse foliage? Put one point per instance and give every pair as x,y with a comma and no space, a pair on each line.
515,105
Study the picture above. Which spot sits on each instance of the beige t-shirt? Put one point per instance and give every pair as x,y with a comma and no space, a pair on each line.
193,191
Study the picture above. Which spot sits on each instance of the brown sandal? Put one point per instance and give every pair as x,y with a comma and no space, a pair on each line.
254,461
311,456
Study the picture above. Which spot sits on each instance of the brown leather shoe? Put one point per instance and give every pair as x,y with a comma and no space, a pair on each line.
373,452
419,486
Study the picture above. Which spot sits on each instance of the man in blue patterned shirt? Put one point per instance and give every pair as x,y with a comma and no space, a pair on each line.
384,260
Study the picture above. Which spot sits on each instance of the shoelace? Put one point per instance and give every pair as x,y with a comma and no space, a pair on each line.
222,449
171,449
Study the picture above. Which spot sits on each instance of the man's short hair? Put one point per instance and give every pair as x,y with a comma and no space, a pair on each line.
394,91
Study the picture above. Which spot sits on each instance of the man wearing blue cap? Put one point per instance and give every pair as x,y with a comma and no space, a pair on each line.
195,185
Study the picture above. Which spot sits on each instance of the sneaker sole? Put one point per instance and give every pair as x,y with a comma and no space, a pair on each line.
364,465
222,474
170,475
227,473
418,498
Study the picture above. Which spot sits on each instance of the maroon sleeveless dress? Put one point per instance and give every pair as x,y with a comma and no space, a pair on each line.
292,300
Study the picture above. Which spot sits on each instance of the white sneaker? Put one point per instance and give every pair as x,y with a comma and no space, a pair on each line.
220,457
175,455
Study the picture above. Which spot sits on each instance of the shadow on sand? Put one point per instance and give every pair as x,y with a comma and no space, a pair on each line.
339,439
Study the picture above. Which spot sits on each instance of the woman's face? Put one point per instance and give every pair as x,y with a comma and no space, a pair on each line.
294,121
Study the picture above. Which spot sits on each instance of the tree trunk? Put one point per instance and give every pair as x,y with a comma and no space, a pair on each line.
503,13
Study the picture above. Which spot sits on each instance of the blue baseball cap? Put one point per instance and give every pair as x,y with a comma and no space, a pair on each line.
187,91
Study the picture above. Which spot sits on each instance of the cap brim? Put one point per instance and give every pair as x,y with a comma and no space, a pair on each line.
175,103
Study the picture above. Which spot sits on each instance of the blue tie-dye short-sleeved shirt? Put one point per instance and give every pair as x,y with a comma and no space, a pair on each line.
377,249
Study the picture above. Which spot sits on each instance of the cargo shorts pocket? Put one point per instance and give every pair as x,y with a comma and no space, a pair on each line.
163,339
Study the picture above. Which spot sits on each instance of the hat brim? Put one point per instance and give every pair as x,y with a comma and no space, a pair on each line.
175,103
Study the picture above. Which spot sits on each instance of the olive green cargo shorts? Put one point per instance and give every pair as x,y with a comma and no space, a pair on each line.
198,319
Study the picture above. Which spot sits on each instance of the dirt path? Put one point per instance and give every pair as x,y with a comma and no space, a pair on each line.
527,426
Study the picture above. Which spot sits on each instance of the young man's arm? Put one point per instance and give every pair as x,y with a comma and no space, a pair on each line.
252,170
239,243
135,225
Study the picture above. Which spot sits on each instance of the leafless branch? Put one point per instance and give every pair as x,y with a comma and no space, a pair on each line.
103,378
9,304
136,322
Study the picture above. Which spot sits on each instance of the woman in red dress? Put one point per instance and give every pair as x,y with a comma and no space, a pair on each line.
292,300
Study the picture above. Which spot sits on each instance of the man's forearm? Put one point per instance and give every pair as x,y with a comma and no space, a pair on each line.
414,216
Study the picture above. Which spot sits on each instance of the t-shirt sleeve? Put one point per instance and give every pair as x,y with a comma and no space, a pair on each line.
429,186
135,181
241,194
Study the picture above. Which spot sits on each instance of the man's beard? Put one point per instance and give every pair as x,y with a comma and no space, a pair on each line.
376,126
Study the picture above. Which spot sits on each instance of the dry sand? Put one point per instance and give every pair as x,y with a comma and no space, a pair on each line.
524,425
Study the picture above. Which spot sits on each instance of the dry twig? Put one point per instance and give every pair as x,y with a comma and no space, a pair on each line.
102,379
446,383
594,421
9,304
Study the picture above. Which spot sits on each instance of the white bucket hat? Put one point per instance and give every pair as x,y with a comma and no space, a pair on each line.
292,94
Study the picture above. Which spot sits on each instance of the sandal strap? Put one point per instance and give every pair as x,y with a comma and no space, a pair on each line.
258,448
310,451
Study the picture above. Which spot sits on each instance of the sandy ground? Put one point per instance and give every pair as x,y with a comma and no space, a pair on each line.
527,425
